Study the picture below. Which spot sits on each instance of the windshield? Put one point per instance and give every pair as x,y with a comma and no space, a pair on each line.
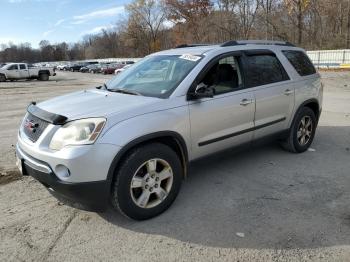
156,76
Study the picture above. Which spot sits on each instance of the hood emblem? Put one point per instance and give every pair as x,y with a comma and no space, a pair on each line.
30,125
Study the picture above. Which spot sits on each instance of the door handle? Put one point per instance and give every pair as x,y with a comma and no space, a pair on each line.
246,102
288,92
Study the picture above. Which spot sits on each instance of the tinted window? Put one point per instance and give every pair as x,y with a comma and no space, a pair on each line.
13,67
22,66
300,62
263,70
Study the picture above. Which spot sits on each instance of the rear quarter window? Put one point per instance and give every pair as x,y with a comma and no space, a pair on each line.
301,62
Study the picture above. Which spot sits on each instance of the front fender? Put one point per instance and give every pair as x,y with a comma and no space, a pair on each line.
3,73
173,120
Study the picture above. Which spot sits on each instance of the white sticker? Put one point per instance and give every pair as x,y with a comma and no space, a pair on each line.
190,57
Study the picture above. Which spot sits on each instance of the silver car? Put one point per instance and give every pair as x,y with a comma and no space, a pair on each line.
130,141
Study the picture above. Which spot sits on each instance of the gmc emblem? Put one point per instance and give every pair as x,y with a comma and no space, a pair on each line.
30,125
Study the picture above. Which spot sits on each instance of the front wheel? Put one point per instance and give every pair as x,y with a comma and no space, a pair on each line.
147,182
302,131
2,78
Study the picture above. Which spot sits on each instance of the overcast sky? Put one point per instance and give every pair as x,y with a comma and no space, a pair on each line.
56,20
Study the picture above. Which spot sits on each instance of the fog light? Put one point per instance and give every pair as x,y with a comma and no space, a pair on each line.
62,171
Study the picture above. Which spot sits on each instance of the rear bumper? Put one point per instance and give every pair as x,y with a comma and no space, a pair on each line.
91,196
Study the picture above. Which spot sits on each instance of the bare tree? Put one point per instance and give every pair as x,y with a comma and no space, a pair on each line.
147,17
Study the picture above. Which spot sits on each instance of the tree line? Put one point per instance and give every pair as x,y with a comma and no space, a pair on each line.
153,25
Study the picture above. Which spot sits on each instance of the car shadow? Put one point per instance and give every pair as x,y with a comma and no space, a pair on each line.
262,197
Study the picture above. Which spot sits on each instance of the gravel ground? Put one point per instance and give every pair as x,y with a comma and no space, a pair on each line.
260,204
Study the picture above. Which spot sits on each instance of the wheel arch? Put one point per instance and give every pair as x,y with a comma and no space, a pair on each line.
170,138
44,72
313,104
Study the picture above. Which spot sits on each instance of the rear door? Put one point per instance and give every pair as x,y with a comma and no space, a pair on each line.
273,91
23,71
226,119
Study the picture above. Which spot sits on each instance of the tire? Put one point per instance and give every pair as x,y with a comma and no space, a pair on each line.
135,167
44,77
2,78
294,142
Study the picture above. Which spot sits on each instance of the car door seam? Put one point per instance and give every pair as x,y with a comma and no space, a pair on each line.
217,139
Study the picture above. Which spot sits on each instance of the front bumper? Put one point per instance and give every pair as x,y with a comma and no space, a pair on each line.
85,195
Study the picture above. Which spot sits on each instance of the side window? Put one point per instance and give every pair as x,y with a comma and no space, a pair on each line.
224,76
22,66
263,70
300,62
13,67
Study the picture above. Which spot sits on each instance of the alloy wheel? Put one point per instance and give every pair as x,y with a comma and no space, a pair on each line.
304,132
151,183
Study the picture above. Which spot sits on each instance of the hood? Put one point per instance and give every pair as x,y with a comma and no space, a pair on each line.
95,103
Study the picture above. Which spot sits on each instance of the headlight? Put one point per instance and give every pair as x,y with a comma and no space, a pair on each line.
79,132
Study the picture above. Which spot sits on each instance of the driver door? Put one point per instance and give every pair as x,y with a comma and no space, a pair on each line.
226,119
12,72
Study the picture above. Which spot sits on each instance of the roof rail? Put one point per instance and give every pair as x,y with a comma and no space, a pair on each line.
256,42
191,45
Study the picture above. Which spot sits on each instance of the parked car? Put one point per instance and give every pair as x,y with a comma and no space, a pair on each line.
96,69
86,69
61,67
15,71
130,141
119,70
75,67
109,69
128,62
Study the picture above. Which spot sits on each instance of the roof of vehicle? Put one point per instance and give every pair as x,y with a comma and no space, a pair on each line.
200,49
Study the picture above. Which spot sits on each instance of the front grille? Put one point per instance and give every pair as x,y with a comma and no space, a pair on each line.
33,127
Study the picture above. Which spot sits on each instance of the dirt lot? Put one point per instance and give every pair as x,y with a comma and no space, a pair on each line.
262,204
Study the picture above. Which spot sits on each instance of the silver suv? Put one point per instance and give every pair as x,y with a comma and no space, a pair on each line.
130,141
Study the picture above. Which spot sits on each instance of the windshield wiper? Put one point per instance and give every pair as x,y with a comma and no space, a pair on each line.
124,91
104,86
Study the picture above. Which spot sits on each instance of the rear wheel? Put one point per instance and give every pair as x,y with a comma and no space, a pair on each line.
302,131
44,77
147,182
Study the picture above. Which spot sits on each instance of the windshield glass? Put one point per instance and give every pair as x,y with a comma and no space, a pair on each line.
156,76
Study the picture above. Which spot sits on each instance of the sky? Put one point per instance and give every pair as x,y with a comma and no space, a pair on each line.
57,20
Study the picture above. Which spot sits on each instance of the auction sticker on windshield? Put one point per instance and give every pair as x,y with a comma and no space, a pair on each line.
190,57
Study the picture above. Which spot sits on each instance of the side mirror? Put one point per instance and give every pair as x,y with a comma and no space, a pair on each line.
202,91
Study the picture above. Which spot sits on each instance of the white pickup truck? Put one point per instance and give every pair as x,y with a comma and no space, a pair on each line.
15,71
